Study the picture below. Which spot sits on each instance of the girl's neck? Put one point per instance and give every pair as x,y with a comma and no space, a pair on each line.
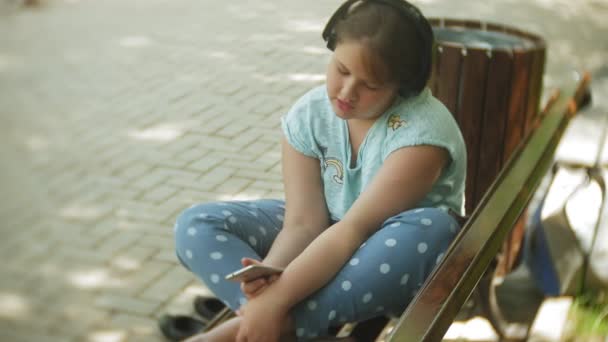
360,127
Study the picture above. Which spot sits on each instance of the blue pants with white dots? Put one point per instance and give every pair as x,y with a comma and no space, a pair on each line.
381,277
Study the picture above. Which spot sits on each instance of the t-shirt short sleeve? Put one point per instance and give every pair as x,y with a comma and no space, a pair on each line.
297,127
428,123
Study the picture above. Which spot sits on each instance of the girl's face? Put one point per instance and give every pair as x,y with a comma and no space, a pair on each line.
354,91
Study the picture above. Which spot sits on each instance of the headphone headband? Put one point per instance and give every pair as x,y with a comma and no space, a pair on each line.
410,13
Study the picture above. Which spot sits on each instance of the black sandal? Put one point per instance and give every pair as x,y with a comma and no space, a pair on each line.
208,307
180,327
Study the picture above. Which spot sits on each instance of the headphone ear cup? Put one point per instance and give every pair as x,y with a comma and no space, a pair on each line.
329,34
331,41
425,33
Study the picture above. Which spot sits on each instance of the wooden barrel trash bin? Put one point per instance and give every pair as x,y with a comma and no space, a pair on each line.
490,77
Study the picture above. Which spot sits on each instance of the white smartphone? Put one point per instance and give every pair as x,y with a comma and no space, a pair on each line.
252,272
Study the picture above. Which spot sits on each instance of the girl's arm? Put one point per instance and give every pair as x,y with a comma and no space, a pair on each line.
306,213
406,176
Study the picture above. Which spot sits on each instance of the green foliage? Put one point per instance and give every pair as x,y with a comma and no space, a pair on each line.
589,318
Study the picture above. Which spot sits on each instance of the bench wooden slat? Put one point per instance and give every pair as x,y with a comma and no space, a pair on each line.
470,110
516,120
448,68
435,306
493,129
537,69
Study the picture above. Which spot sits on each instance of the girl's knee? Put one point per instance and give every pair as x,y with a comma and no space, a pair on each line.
184,220
192,224
198,216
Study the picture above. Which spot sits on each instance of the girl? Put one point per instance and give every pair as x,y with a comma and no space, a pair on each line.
373,165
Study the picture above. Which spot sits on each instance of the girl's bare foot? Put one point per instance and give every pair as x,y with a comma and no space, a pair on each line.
292,338
227,331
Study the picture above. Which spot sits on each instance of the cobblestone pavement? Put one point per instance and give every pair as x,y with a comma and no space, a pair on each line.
116,115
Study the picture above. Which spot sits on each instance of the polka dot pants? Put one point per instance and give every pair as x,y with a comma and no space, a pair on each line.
381,277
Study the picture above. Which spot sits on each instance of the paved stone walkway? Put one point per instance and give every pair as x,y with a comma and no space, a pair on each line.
116,115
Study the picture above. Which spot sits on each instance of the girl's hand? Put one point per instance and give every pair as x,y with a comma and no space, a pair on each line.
253,288
263,320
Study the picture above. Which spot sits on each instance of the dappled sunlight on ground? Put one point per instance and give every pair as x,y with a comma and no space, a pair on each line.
135,41
93,279
83,212
107,336
239,197
13,306
162,133
315,78
304,26
35,143
476,329
315,50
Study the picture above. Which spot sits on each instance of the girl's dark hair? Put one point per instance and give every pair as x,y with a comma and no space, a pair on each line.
395,31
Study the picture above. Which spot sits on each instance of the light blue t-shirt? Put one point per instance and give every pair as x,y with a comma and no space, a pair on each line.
312,128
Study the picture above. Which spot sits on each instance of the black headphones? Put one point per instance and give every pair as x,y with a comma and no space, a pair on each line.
423,29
